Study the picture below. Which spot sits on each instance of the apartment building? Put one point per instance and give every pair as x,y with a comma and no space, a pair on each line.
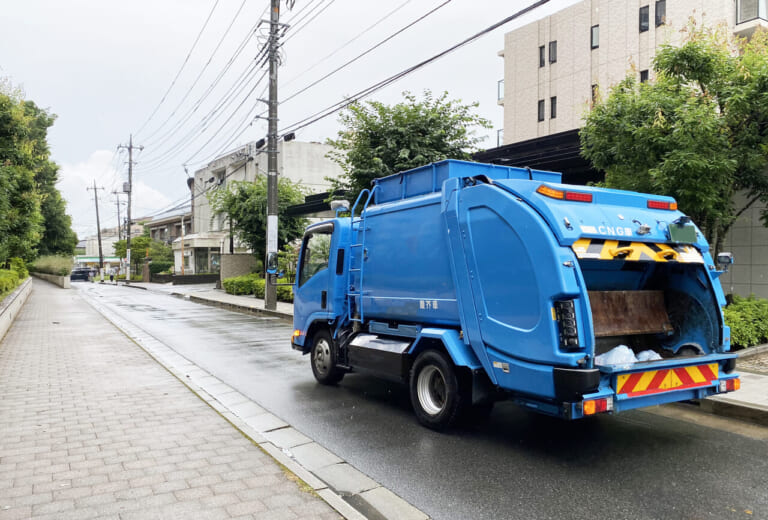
301,162
554,67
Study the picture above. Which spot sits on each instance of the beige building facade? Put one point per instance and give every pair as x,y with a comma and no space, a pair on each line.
553,67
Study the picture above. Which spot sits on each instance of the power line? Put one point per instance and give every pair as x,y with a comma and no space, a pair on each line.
368,51
322,114
197,39
200,74
364,31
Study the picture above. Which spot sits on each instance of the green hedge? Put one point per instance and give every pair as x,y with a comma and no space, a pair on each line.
254,284
748,319
159,266
9,280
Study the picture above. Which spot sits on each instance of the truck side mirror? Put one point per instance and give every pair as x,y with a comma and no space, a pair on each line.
271,263
725,259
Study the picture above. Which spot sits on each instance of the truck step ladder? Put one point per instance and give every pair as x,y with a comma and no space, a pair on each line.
357,258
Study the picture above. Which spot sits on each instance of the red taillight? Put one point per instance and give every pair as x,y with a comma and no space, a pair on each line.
573,196
578,196
594,406
662,204
732,385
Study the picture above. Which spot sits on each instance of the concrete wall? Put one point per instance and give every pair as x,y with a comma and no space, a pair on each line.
11,305
61,281
748,241
237,265
622,50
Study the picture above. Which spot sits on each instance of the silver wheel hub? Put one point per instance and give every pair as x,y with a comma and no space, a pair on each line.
322,357
431,390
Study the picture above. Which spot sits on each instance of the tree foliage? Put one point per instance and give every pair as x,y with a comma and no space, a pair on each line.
142,246
245,204
699,132
379,140
32,212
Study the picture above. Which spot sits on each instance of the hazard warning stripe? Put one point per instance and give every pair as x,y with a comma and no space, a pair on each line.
655,381
601,249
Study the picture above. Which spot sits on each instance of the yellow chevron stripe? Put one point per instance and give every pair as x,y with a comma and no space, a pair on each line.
604,249
645,381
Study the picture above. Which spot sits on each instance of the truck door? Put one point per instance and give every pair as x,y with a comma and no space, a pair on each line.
516,271
313,276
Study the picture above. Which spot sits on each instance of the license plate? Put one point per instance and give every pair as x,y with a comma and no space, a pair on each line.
664,380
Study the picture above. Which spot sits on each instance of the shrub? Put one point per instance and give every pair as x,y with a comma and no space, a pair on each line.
18,265
52,264
748,319
8,280
159,266
241,284
254,284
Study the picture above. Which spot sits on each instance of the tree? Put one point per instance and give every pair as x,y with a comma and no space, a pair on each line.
698,133
141,247
245,204
32,212
379,140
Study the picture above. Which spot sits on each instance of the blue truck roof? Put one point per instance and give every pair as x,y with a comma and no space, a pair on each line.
429,178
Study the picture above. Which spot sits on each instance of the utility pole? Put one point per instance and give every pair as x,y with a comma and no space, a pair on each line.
270,291
119,220
130,148
98,228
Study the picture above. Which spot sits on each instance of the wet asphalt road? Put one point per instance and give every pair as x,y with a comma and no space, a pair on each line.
636,465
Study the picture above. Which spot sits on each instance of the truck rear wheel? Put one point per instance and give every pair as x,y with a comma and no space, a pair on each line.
435,393
323,359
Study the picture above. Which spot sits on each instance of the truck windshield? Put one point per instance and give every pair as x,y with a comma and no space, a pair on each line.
316,250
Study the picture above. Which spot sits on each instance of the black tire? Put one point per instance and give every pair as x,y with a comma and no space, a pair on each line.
323,359
436,396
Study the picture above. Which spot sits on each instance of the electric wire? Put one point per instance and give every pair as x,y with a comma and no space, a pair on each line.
322,114
366,52
199,75
184,64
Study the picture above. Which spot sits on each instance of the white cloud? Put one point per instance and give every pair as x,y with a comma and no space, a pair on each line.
107,169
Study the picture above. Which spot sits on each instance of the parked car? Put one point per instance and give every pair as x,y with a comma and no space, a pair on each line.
80,273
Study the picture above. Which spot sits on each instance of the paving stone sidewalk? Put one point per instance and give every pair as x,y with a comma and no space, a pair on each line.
92,427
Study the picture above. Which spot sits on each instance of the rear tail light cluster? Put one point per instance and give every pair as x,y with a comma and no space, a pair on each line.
574,196
565,314
594,406
730,385
662,204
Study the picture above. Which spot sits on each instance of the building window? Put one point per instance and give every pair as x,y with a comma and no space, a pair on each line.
661,12
643,76
594,93
500,90
747,10
644,18
542,56
541,110
595,37
553,107
499,137
553,52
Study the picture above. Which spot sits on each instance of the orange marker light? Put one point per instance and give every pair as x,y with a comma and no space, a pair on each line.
550,192
589,407
296,333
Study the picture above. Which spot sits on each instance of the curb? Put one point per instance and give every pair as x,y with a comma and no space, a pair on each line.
752,414
753,351
348,491
243,309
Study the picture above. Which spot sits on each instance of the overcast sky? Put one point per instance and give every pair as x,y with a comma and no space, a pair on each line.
104,68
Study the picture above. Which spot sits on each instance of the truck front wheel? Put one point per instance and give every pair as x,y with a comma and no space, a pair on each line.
323,359
435,393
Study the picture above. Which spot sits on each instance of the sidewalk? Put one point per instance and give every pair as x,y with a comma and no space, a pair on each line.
91,426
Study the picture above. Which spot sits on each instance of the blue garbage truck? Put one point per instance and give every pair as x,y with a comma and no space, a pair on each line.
476,282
